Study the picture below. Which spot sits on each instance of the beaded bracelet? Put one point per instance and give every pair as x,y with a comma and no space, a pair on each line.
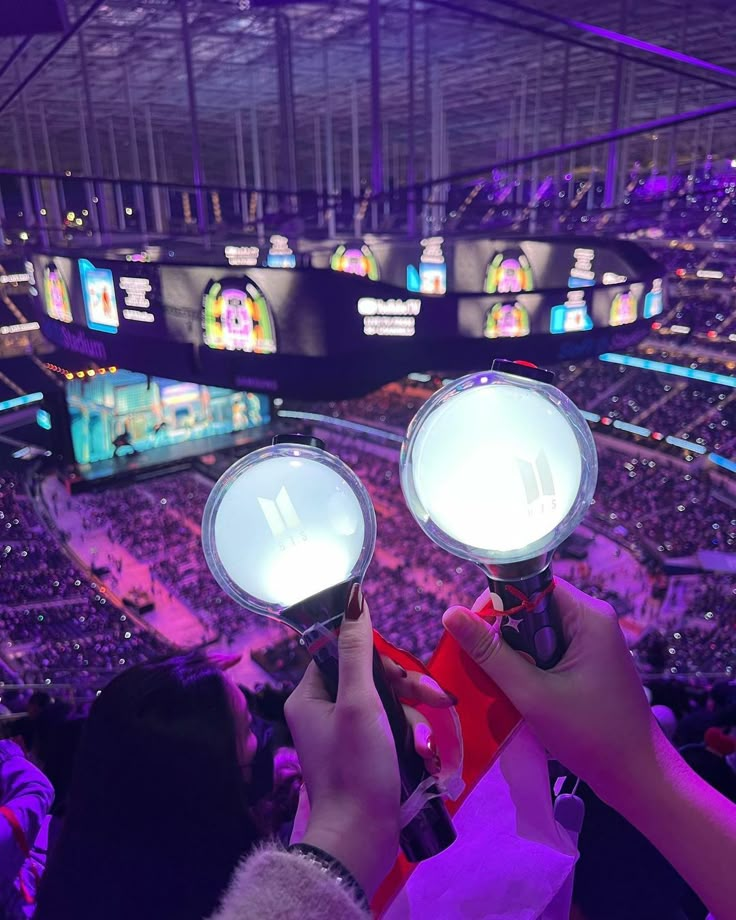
327,863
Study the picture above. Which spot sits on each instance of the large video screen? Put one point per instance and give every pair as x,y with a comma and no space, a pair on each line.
125,413
105,296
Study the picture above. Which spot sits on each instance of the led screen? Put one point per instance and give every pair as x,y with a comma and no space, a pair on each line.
100,302
355,260
125,413
430,277
236,317
506,321
508,273
56,294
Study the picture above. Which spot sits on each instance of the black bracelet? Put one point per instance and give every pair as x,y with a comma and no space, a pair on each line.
328,863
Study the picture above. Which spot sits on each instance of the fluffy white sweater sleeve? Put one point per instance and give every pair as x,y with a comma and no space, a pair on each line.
272,884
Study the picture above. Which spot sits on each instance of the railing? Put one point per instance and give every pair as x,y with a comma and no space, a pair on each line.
69,693
541,195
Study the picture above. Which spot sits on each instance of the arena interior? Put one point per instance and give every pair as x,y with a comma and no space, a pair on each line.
222,221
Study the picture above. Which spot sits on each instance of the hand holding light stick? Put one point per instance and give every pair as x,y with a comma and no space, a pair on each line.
286,532
499,468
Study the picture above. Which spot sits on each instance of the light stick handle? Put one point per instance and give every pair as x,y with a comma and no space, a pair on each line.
533,624
431,830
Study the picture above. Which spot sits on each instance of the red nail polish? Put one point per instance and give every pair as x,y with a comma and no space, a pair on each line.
355,603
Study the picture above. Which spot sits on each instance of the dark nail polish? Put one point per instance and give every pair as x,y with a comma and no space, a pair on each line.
355,603
451,697
404,672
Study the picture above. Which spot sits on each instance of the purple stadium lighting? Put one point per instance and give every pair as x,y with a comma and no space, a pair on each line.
650,48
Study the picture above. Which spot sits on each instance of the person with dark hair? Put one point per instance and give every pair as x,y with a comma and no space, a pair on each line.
38,702
162,799
38,709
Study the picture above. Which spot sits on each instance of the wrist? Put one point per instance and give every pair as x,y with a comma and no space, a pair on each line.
327,863
644,788
367,848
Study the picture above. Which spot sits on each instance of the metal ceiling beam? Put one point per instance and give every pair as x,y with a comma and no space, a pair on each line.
15,54
643,128
567,39
96,4
616,37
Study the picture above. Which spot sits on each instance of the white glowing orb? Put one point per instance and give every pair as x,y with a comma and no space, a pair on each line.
496,468
286,528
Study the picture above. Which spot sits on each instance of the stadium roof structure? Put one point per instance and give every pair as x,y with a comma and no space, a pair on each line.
492,79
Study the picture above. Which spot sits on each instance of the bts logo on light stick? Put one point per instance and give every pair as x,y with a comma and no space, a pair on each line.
280,514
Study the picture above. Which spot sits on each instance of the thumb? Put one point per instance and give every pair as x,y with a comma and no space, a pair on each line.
355,648
520,680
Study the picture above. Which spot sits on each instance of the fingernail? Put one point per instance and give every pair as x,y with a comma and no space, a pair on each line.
404,672
432,747
451,697
435,768
355,603
462,624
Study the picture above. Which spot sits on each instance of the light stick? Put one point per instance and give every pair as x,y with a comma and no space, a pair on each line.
286,532
499,468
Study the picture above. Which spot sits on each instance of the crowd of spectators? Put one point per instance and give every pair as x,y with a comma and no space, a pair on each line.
57,626
159,524
669,506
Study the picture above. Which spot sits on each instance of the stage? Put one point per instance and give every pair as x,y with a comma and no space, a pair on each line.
135,466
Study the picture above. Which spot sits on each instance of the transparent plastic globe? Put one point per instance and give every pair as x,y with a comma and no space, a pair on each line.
498,468
284,523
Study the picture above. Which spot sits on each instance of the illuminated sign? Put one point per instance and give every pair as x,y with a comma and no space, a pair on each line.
613,278
236,317
31,275
74,341
582,274
56,294
506,321
136,291
19,278
709,273
100,302
19,327
679,370
431,276
43,419
570,316
392,317
653,305
508,275
17,401
354,261
623,309
280,255
242,255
